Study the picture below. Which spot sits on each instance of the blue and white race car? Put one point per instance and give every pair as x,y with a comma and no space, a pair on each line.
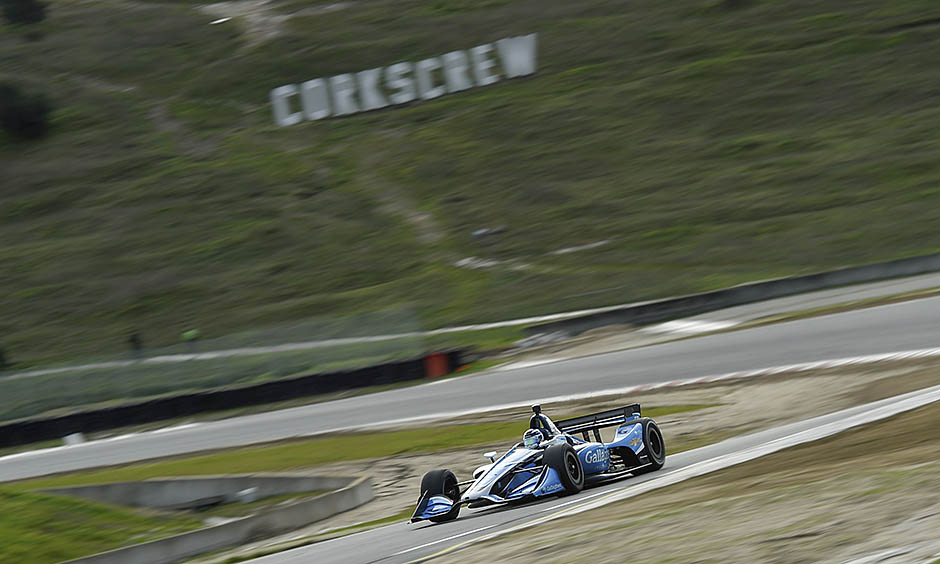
551,460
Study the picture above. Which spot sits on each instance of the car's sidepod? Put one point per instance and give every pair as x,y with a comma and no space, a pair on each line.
595,459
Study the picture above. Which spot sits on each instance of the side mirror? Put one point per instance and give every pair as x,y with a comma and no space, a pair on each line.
491,455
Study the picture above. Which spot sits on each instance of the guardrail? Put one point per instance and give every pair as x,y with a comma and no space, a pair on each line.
353,493
695,304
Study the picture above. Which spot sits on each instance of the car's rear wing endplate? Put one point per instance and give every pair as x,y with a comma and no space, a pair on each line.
596,421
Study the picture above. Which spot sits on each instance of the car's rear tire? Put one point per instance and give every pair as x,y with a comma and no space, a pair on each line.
564,460
442,482
655,446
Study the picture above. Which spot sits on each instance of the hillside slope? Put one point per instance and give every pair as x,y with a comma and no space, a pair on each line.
691,145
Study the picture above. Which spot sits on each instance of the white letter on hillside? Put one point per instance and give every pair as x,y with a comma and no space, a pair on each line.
455,71
315,101
482,65
405,87
369,93
518,55
426,87
344,94
281,106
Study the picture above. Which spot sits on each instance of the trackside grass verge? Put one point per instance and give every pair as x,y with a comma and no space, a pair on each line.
311,453
42,529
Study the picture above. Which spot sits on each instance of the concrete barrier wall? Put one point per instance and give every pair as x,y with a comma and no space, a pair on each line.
695,304
264,524
171,492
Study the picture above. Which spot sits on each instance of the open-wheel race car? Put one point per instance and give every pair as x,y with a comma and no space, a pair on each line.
552,459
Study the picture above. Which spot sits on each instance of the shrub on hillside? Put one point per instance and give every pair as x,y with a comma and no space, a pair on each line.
23,11
726,4
23,115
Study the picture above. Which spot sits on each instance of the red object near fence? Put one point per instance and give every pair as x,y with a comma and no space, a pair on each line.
435,365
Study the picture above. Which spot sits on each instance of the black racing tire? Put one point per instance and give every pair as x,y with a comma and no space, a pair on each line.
442,482
564,460
655,446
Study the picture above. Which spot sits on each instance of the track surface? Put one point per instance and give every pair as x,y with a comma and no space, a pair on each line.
402,542
902,326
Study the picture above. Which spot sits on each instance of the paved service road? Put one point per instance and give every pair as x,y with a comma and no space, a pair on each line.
822,298
896,327
403,542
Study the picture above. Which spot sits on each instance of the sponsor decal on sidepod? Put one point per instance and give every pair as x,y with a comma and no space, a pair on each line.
596,455
595,459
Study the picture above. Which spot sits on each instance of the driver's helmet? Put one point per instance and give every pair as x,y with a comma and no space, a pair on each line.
531,438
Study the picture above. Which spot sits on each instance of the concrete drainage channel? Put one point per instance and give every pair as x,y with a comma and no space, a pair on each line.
173,493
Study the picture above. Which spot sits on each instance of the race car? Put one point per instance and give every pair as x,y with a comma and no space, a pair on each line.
552,459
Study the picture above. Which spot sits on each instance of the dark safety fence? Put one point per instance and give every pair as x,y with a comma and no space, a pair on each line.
36,429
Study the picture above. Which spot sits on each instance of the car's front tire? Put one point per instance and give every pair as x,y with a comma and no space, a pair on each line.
442,482
655,446
564,460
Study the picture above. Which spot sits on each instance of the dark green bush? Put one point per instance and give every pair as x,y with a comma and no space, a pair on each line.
23,11
23,115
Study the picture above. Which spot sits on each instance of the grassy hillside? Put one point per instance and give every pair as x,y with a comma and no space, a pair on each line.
709,142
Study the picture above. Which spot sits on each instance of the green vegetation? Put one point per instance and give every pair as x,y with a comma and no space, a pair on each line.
23,115
41,528
23,12
711,142
312,452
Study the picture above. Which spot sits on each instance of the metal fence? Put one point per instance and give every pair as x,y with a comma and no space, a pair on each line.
250,357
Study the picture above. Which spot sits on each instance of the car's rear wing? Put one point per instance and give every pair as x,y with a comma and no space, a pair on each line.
597,421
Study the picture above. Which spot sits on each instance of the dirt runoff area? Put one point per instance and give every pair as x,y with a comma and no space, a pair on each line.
734,408
868,495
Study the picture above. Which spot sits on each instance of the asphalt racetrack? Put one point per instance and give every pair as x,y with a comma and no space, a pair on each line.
404,542
896,327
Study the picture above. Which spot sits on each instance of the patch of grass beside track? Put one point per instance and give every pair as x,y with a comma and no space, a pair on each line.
42,529
312,452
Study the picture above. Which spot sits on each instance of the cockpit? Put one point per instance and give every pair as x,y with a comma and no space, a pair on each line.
542,422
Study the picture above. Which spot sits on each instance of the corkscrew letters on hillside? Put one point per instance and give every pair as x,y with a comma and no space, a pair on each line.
404,82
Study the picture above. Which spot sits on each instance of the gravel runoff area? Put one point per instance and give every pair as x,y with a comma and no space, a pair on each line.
739,407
